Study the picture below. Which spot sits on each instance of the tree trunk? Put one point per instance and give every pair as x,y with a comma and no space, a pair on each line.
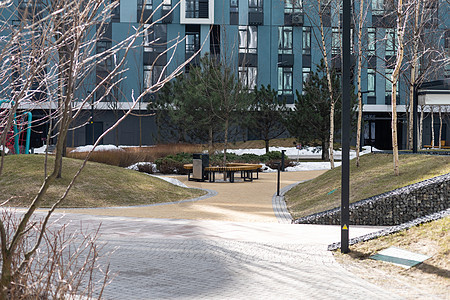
210,139
395,78
360,105
394,129
325,150
267,145
5,281
225,142
330,150
413,78
330,86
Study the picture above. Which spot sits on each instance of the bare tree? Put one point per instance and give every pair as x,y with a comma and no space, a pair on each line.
360,21
57,41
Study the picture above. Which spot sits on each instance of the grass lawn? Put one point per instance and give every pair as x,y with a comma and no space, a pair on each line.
374,176
99,185
431,278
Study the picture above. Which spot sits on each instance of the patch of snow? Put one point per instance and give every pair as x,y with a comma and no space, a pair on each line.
88,148
40,150
4,149
170,180
311,166
267,169
135,166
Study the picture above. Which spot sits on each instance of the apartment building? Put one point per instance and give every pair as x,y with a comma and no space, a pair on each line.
272,42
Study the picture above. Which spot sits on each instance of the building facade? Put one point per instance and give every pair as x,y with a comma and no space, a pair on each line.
272,42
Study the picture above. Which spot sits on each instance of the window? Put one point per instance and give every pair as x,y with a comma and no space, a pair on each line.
197,12
152,74
306,41
145,4
155,38
390,42
377,7
293,6
335,41
388,74
305,77
197,9
104,61
167,4
192,43
371,38
248,39
115,13
371,77
285,40
234,6
248,76
285,81
255,5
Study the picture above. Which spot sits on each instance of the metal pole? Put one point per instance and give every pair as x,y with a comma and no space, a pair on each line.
345,180
278,179
415,105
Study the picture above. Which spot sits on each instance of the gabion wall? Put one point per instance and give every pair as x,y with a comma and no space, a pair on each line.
392,208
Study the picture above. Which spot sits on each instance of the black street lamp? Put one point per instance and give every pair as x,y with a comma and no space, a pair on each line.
345,177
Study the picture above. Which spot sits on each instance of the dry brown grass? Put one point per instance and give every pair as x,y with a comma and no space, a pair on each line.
132,155
373,177
99,185
428,280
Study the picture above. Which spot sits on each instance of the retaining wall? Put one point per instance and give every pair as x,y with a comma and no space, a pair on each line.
392,208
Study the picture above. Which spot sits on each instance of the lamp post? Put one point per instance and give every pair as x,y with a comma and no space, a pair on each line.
345,177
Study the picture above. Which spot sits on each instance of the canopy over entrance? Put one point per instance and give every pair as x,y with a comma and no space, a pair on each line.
434,92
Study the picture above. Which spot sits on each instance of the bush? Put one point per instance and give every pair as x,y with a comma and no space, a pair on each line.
173,164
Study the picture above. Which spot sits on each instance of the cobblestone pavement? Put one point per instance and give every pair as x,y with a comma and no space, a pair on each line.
191,259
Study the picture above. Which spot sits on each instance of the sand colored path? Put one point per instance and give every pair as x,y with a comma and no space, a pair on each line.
237,202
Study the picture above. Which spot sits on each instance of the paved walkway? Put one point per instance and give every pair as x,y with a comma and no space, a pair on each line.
229,246
192,259
237,202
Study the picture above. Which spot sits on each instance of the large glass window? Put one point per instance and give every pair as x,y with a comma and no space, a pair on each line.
390,42
293,6
388,74
306,40
255,5
234,6
152,74
305,78
248,76
285,79
285,40
377,7
155,38
192,43
371,81
371,40
197,9
248,39
145,4
335,41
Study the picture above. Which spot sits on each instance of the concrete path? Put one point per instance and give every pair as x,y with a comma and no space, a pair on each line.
237,202
198,259
229,246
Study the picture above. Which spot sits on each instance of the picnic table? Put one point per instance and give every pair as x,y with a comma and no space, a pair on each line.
230,169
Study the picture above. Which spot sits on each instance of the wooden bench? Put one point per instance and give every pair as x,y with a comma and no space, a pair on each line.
444,145
246,170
